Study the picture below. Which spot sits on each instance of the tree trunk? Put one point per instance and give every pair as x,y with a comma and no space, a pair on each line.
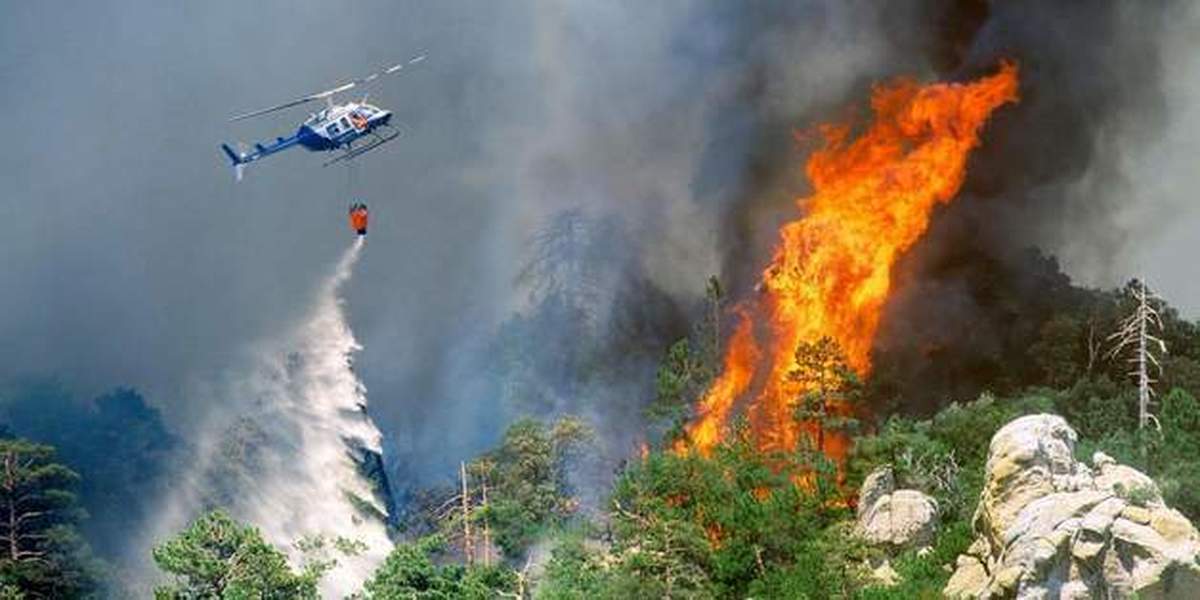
468,546
487,530
10,492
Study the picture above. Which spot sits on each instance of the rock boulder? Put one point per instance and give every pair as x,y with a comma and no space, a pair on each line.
895,518
1049,526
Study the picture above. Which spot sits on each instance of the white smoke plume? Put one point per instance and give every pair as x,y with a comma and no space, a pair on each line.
292,458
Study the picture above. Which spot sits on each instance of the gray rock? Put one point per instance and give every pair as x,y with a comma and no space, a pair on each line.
898,519
1048,526
894,519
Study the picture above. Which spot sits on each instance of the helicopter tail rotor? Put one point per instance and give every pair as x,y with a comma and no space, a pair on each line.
238,159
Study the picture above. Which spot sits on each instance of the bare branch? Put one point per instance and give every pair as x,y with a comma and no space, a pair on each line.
1134,332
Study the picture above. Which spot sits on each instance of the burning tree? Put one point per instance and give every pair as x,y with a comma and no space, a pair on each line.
1136,333
827,385
873,193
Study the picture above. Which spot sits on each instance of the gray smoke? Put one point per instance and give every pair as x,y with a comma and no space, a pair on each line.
1156,156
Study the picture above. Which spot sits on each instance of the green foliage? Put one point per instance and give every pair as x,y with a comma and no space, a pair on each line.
527,477
410,572
575,572
219,558
919,460
117,443
945,455
1098,406
364,508
43,555
320,552
690,526
1180,419
689,367
924,576
681,378
830,566
1170,456
731,526
1102,413
1138,495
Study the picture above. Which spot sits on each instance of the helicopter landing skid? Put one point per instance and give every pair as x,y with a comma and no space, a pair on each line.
353,152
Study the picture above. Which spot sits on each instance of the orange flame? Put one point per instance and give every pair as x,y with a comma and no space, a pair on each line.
831,271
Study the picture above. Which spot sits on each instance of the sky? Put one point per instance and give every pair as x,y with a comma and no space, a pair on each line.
129,256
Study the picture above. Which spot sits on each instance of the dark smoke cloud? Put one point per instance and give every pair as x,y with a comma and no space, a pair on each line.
1052,174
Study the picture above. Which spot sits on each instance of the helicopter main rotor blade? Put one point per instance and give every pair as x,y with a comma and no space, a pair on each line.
376,75
264,111
337,90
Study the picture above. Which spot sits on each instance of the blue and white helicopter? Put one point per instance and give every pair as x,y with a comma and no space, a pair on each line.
335,127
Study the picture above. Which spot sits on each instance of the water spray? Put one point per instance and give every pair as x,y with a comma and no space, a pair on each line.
296,454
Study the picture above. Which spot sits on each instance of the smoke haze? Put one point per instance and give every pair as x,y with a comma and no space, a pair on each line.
128,256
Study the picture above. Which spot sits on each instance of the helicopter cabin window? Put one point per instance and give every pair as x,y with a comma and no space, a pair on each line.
345,123
332,129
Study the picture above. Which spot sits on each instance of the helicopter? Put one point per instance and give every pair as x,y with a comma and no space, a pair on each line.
335,127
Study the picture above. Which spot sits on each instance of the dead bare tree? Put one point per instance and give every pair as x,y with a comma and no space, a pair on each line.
462,515
487,530
522,582
468,544
1137,333
1093,345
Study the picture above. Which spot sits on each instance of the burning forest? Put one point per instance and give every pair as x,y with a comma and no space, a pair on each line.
699,300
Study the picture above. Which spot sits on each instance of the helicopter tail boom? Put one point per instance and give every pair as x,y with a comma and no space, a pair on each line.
243,158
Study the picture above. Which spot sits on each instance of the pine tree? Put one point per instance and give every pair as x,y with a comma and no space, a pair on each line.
827,386
218,557
41,553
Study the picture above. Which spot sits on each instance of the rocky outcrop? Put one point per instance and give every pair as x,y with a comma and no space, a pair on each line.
895,520
898,519
1049,526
